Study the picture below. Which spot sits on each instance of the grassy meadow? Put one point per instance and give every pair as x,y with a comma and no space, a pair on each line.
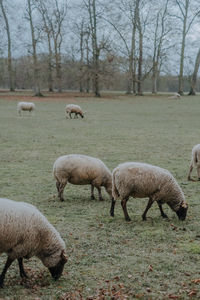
109,258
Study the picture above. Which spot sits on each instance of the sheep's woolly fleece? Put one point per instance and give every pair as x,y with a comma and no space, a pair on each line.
142,180
25,231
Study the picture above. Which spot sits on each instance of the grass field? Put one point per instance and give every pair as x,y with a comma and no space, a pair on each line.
108,257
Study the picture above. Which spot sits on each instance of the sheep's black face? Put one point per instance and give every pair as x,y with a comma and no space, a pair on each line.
56,271
182,212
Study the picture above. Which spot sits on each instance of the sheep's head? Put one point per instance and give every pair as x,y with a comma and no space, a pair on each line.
182,211
57,270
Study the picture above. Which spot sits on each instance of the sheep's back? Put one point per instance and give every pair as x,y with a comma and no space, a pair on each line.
79,169
139,180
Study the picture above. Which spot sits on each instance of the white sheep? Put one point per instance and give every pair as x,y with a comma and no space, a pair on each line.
25,106
25,232
74,109
82,170
175,96
195,161
141,180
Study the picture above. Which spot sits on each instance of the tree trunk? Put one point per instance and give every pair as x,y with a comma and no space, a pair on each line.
180,82
194,75
10,71
81,61
154,78
140,62
50,77
58,69
88,66
95,50
36,72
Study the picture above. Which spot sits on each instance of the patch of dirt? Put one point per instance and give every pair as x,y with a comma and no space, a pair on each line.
26,96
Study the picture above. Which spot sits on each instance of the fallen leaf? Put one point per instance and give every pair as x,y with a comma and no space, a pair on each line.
150,268
192,293
173,297
196,281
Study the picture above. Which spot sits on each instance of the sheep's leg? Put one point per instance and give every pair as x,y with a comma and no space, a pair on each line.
123,204
92,192
3,274
147,208
61,190
190,171
58,185
198,172
100,195
161,211
112,207
70,114
21,268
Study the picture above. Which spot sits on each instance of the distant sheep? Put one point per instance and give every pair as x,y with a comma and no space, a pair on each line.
195,161
25,106
141,180
25,232
175,96
82,170
74,109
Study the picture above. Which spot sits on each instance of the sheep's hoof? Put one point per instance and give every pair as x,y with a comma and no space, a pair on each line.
92,197
164,216
127,219
61,199
112,213
198,179
101,199
23,275
144,218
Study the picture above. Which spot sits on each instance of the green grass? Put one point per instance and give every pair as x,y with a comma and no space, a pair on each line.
156,259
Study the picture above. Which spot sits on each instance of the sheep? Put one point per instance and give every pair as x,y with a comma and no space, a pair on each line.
25,232
141,180
195,161
26,106
82,170
175,96
76,109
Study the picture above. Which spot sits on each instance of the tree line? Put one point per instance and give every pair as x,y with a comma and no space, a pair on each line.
90,45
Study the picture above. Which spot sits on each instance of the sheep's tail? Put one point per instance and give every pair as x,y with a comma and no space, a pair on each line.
115,192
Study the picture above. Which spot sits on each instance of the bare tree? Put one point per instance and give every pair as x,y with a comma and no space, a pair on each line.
160,33
36,73
91,6
57,20
10,70
187,18
194,75
43,10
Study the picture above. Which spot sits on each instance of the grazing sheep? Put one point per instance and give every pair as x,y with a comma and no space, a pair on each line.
81,170
25,232
175,96
141,180
26,106
74,109
195,161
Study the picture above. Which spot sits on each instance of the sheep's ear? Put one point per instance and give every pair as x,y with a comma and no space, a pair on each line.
64,256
